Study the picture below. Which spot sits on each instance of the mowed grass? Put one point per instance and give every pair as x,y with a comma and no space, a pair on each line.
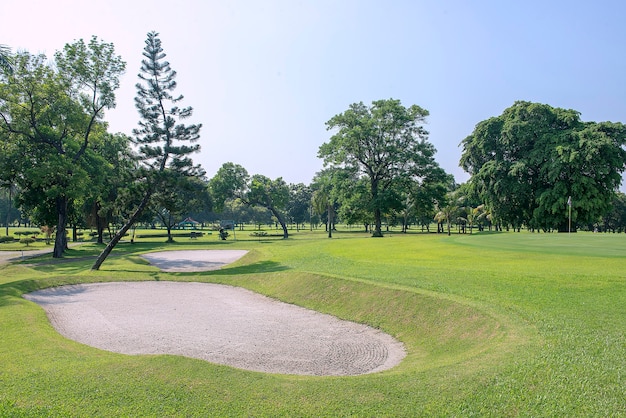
508,324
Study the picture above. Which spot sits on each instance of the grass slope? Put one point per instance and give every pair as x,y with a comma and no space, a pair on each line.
494,324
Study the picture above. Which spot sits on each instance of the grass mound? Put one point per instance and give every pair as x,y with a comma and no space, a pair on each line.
436,330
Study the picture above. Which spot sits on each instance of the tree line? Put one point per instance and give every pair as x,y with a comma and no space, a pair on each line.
534,166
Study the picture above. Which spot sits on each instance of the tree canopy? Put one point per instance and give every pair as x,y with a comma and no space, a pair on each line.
50,112
232,181
61,167
528,162
386,143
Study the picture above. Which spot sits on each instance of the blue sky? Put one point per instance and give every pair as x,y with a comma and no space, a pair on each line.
263,77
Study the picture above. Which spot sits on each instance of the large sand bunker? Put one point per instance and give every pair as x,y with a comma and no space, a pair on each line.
218,323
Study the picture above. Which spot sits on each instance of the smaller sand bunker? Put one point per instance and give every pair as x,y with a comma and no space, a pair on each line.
218,323
193,260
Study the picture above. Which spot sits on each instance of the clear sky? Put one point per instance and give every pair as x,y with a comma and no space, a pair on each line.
263,77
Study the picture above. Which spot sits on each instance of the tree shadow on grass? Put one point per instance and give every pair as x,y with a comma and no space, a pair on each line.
12,291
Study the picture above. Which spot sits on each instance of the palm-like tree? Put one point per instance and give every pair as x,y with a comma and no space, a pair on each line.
6,60
322,202
447,213
474,215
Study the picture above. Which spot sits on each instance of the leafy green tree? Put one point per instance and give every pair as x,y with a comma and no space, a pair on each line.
270,194
164,142
471,209
615,219
8,211
386,142
177,197
526,163
10,159
319,204
335,189
112,171
6,61
234,209
51,111
299,204
473,216
323,199
258,216
232,181
420,196
448,211
353,201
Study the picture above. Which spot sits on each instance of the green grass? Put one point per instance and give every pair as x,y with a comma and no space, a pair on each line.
508,324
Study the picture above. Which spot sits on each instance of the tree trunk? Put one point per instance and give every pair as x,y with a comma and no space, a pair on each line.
377,224
107,250
330,221
377,213
99,224
565,227
9,210
60,242
281,221
168,225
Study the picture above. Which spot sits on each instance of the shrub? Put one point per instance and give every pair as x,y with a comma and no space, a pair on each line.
6,239
26,233
27,240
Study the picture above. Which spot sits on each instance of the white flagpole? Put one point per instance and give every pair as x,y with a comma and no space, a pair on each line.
569,203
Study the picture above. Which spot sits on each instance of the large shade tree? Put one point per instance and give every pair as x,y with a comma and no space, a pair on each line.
387,143
51,110
527,163
164,141
232,181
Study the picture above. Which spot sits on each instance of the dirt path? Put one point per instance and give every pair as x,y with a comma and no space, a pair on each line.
10,256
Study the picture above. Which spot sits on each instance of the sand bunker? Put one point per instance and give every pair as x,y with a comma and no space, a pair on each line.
221,324
218,323
193,260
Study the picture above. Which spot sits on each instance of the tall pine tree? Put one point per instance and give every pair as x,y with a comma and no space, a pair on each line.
164,142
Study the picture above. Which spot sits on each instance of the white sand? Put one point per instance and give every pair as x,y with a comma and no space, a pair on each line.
193,260
218,323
